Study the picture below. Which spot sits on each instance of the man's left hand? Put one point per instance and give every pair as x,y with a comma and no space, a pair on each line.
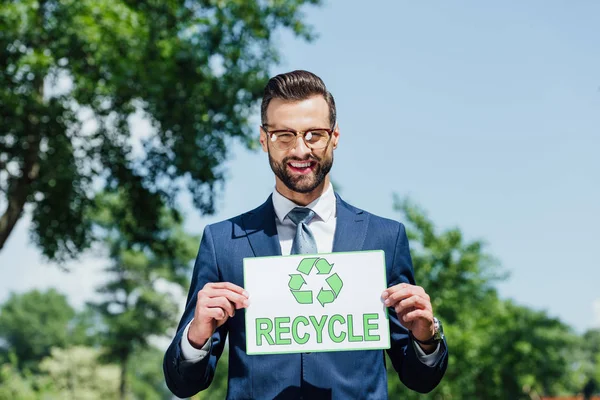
413,307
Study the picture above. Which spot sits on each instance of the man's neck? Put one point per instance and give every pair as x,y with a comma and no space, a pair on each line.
302,199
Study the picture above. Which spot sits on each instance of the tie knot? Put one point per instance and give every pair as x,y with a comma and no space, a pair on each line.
301,215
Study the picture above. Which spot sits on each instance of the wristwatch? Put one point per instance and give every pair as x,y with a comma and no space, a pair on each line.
438,334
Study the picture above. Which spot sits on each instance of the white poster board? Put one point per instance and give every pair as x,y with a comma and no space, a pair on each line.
322,302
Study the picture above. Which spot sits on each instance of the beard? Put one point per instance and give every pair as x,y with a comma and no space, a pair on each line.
302,183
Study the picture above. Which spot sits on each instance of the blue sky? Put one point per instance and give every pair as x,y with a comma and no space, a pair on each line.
487,114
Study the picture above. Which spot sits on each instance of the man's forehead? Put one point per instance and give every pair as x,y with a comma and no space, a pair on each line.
311,110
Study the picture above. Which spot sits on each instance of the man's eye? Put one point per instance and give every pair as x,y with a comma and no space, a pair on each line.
315,136
285,137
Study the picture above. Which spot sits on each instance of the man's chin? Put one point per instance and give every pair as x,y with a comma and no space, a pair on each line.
302,185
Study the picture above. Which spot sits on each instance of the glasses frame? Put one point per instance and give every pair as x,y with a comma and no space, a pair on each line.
300,133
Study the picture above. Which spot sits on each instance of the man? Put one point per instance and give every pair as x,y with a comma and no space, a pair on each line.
303,215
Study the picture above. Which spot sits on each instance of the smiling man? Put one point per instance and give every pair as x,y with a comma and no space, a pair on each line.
303,215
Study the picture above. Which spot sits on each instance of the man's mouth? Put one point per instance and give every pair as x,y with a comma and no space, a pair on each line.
301,167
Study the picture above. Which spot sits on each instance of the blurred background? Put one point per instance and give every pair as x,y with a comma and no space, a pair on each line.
127,126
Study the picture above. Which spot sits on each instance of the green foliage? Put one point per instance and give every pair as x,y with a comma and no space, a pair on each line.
15,386
135,306
73,72
75,373
452,270
34,322
72,373
588,361
498,350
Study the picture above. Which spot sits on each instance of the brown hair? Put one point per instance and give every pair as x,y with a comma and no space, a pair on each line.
295,86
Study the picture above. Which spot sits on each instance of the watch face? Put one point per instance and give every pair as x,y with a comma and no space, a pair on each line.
439,331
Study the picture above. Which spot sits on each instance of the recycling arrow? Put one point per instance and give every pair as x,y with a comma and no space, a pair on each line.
328,296
323,266
306,265
296,281
295,284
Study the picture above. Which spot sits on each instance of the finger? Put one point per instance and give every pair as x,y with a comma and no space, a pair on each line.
406,292
222,303
229,286
402,287
392,289
216,313
239,300
409,289
417,314
390,299
416,302
402,312
400,295
205,302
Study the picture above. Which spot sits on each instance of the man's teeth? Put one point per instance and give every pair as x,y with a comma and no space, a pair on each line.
301,165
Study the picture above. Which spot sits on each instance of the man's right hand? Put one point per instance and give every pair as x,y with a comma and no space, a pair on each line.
216,302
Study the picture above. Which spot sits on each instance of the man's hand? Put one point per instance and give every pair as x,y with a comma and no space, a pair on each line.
215,304
413,307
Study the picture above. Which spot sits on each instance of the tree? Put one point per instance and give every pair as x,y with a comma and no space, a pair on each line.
13,385
32,323
73,72
75,373
61,356
134,308
497,349
589,347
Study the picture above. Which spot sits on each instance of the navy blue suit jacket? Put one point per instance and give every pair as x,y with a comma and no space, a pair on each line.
320,375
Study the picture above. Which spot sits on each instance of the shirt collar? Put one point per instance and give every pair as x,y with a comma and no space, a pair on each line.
323,206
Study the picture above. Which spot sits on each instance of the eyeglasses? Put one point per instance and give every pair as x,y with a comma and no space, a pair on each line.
285,139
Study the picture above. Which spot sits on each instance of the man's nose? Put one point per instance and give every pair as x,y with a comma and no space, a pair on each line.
301,149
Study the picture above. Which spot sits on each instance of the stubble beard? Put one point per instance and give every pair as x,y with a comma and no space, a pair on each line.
302,183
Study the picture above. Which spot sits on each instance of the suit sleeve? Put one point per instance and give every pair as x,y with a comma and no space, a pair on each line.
412,372
186,378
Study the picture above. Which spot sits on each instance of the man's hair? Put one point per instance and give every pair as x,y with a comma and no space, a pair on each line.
296,86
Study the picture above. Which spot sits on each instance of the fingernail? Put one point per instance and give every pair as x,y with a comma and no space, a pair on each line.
245,293
387,302
385,295
246,303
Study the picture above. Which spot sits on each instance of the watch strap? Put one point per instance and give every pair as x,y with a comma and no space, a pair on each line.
434,339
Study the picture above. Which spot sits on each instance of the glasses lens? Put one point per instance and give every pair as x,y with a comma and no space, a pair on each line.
283,140
317,139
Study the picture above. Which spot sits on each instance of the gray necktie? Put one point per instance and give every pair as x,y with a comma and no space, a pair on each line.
304,241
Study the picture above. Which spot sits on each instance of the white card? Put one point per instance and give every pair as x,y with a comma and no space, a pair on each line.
322,302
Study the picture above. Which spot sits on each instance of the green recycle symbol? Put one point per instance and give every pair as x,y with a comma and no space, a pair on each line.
323,267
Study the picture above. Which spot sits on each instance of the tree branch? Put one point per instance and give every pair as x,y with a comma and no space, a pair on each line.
17,194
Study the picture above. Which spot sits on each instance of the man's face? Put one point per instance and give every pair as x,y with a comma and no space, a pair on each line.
300,168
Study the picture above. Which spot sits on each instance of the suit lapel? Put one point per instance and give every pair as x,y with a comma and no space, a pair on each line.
259,226
351,227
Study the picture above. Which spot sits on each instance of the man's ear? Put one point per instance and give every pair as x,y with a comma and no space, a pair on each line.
263,139
336,136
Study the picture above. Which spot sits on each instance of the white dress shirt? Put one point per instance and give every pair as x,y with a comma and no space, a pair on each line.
322,227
